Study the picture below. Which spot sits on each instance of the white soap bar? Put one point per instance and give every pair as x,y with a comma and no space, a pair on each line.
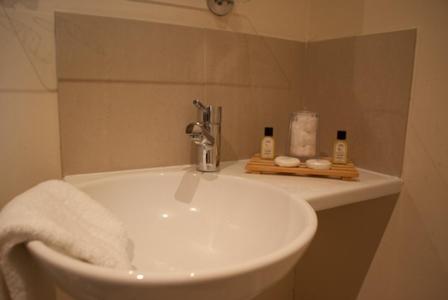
319,164
286,161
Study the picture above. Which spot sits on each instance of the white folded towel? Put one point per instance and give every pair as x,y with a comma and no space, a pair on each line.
65,218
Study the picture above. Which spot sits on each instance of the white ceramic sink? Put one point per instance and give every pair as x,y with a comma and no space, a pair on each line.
197,236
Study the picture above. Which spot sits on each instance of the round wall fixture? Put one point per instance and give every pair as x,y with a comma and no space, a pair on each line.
220,7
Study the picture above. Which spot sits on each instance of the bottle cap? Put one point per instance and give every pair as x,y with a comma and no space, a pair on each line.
268,131
342,135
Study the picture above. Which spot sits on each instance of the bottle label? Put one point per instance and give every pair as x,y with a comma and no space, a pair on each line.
340,153
267,148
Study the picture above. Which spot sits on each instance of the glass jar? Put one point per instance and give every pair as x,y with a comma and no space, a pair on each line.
303,128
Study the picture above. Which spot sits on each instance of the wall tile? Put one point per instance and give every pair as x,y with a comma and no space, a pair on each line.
29,151
290,60
112,109
265,67
366,78
101,48
108,126
227,58
115,126
362,84
245,114
16,71
427,189
408,256
250,60
35,32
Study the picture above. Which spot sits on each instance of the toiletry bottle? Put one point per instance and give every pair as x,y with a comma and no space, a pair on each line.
340,148
268,144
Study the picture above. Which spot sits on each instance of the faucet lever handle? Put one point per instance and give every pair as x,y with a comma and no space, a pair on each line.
208,114
199,105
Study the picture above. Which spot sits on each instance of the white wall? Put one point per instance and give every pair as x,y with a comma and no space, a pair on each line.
412,261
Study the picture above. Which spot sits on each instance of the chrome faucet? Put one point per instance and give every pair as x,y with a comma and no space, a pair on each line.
206,133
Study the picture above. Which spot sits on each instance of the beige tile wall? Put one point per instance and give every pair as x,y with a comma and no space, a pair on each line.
27,73
385,278
126,87
29,141
29,133
363,85
120,119
412,260
360,84
111,49
28,64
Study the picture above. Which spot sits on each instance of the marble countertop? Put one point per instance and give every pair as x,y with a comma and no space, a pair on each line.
320,193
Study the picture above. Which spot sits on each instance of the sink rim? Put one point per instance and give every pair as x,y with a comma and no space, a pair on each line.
145,277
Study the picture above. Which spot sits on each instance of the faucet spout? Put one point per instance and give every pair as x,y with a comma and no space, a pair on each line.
199,134
206,133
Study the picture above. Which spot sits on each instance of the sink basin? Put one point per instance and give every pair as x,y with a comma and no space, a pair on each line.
196,236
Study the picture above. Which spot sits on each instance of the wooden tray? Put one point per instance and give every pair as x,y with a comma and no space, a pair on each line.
267,166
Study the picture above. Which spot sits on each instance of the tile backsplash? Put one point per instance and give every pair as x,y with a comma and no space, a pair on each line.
118,50
126,87
363,85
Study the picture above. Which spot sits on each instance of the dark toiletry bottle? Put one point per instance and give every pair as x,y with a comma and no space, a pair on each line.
268,144
340,148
